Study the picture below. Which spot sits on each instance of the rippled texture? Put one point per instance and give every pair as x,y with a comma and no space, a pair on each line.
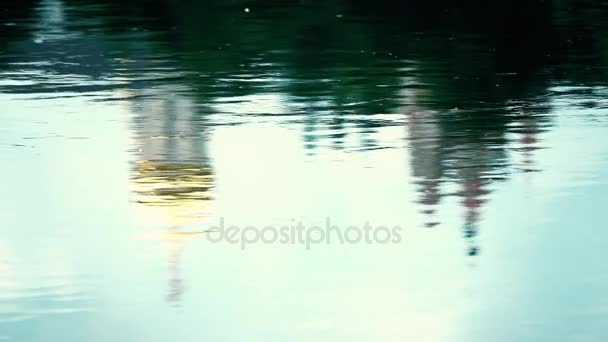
130,129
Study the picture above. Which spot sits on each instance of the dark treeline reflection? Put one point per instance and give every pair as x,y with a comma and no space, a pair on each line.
470,81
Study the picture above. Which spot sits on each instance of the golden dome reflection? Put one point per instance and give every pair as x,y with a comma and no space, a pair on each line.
171,193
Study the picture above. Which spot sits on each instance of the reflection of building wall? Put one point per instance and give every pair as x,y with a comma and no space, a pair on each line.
172,178
169,129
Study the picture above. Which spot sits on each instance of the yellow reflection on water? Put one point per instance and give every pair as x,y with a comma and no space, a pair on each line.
171,194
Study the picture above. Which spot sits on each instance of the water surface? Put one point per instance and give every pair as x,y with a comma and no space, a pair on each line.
130,128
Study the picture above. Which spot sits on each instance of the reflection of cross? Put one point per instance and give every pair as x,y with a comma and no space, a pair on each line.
177,240
176,284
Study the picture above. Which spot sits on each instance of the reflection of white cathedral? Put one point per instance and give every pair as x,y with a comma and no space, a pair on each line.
171,176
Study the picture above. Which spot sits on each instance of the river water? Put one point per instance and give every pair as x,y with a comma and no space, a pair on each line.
131,130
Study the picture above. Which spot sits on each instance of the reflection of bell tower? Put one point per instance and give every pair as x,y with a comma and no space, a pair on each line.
423,133
172,179
171,176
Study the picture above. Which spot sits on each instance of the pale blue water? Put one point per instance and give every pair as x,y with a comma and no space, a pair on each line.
129,130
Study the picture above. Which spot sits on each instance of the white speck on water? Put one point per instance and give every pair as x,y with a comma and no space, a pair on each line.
10,24
246,9
39,40
339,15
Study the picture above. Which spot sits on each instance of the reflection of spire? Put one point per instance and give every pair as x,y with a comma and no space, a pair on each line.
473,198
472,202
423,134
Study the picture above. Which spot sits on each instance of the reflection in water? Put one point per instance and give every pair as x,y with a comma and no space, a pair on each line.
159,184
427,113
172,172
471,159
424,135
176,284
172,179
